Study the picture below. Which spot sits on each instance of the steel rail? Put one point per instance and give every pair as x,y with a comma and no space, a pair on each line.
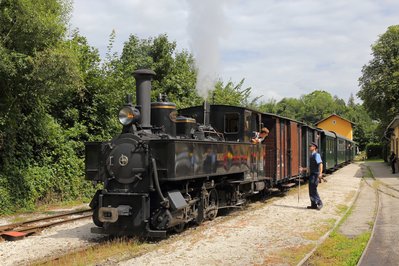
29,227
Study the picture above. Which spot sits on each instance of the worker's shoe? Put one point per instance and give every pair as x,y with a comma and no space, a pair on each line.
311,207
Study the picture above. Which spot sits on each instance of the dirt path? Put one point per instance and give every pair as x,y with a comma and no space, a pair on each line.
266,234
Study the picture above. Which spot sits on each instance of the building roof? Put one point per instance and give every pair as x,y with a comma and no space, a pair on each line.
394,123
332,116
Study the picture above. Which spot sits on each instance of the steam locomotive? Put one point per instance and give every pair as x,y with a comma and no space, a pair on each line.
166,170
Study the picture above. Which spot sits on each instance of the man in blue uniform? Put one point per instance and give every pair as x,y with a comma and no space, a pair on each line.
316,174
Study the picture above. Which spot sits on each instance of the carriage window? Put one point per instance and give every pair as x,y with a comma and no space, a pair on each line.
231,122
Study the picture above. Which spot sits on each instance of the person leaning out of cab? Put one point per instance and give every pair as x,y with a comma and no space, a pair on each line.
260,137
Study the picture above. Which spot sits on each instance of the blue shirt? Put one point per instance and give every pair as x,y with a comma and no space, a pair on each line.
314,161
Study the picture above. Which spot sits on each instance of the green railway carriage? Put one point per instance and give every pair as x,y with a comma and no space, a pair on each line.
350,150
341,150
328,150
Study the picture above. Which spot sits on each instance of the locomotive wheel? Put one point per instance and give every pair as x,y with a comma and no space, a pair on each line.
96,221
212,204
179,228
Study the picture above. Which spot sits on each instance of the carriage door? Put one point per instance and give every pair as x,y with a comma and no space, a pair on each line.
247,138
256,126
247,126
294,149
283,149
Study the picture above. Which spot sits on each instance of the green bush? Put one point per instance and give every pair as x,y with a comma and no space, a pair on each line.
49,168
374,150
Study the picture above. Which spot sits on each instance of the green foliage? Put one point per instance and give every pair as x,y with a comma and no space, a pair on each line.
176,74
365,128
270,106
292,108
232,94
373,150
28,27
40,76
380,78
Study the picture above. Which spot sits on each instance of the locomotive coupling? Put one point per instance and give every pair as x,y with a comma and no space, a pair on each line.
111,215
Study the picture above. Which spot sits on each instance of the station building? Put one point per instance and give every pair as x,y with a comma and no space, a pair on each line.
392,134
337,124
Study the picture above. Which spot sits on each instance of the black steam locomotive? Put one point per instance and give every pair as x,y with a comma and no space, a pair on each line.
165,171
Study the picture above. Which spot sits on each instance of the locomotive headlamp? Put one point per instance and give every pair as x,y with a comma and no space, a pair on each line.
128,115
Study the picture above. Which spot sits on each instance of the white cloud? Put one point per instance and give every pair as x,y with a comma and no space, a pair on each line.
282,48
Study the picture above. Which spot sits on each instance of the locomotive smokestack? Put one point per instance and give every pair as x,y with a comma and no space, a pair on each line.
207,112
143,94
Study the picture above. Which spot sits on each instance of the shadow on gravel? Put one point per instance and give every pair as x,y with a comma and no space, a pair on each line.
80,232
290,206
361,172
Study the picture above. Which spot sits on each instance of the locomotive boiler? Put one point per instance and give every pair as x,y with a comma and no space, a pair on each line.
164,170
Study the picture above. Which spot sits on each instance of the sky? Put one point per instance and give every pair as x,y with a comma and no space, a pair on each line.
283,48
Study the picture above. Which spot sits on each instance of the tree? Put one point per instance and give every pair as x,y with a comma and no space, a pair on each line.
379,82
232,94
175,70
270,106
351,101
291,107
39,161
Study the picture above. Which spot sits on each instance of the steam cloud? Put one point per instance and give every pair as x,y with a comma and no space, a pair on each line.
206,27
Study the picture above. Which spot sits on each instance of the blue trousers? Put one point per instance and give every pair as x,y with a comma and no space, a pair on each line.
313,194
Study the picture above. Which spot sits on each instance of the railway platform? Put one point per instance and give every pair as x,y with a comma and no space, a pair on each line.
382,248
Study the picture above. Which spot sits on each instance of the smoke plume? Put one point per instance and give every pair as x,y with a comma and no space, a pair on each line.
206,27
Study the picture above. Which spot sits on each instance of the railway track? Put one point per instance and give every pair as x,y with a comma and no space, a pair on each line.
380,249
380,186
19,230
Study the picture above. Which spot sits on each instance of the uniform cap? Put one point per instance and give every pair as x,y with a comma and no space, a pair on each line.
314,144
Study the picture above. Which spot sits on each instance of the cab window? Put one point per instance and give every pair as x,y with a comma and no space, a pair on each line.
231,122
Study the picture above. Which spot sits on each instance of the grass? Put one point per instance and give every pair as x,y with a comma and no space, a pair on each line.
339,249
368,173
120,248
341,208
319,230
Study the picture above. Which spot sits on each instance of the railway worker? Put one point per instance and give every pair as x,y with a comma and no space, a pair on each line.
316,174
392,160
260,138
